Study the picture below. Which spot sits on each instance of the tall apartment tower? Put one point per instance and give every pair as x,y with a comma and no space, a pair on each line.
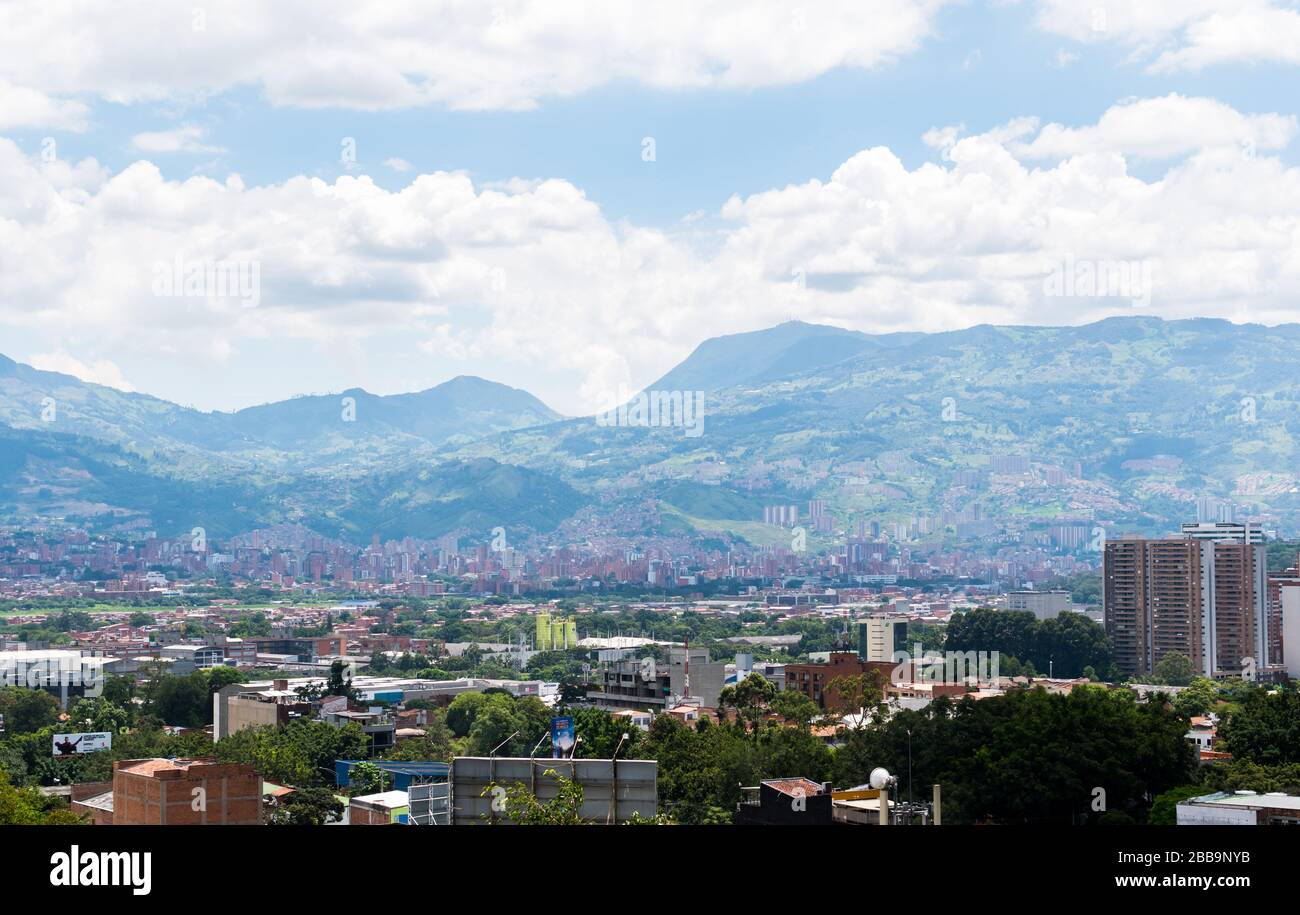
1204,599
1277,583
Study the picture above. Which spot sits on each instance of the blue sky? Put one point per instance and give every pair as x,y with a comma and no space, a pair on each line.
394,290
986,65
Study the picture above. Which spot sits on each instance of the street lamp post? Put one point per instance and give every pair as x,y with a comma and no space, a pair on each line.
909,765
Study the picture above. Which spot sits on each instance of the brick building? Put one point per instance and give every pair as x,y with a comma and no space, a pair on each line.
185,792
814,680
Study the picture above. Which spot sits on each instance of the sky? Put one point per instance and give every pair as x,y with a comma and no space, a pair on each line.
235,203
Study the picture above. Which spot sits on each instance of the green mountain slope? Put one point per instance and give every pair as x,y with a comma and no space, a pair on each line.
1124,422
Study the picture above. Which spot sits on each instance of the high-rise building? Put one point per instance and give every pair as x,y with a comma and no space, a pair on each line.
1231,531
1044,605
1009,463
879,636
1204,599
1290,626
781,515
1277,582
1215,510
819,515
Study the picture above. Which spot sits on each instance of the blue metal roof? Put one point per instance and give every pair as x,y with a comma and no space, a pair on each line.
403,772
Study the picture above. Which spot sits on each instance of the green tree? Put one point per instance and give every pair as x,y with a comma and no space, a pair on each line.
788,752
367,778
750,698
302,753
1174,669
28,807
1030,757
701,768
523,807
1197,698
501,724
437,744
1164,809
1070,642
180,701
1265,727
307,807
1244,775
99,714
602,733
340,681
224,675
27,710
463,710
795,707
986,629
856,694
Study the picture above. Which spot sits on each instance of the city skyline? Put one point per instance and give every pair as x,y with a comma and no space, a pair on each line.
872,413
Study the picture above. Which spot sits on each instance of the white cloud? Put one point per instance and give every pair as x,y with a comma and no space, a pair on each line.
101,371
398,165
509,54
1175,35
188,138
532,275
1065,58
1161,128
22,107
942,138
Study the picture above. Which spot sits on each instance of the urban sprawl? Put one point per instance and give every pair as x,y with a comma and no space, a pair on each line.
456,680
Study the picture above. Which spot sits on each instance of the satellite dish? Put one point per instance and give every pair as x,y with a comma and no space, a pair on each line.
879,778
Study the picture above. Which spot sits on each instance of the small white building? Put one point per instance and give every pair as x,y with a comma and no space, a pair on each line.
1240,808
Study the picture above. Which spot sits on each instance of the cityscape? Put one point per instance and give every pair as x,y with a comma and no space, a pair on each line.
699,416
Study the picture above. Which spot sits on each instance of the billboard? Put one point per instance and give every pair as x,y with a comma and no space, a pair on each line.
562,740
611,792
66,745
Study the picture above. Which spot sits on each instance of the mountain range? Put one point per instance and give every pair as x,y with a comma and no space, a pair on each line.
1124,422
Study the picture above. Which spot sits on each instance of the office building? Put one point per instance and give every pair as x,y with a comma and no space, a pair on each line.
1230,531
643,683
879,637
1044,605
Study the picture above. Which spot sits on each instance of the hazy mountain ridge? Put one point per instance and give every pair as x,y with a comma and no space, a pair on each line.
1154,414
322,428
102,457
883,433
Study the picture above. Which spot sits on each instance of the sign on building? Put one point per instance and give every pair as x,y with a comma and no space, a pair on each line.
562,738
66,745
